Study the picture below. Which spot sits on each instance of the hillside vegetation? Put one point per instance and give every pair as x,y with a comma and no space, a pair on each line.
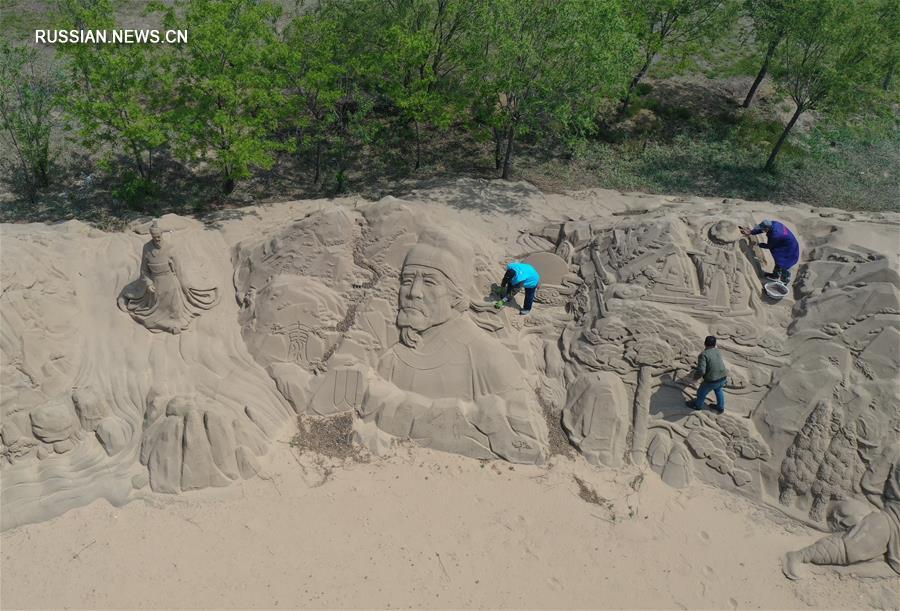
785,100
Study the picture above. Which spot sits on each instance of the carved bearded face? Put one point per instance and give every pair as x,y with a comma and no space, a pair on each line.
426,298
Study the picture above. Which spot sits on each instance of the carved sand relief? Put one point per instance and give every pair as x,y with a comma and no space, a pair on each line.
370,312
110,406
811,364
826,360
162,299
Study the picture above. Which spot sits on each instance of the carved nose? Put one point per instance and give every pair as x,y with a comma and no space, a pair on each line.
415,289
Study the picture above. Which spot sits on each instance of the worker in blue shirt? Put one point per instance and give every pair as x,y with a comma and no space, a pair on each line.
519,275
783,245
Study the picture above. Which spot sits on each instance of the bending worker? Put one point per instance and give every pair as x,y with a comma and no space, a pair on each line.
519,275
782,244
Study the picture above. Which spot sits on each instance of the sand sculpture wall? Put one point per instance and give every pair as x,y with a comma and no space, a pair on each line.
373,311
94,403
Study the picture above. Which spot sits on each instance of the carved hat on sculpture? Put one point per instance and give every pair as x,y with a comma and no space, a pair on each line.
447,254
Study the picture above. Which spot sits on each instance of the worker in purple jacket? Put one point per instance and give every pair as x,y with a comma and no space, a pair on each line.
782,244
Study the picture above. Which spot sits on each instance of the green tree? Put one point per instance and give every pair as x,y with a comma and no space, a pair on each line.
326,71
829,60
227,102
117,92
314,74
28,113
674,27
415,54
539,65
770,18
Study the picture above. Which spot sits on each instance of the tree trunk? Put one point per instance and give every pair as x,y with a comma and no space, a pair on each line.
228,185
138,160
771,161
418,146
298,141
509,147
42,170
318,169
641,414
762,73
498,140
634,83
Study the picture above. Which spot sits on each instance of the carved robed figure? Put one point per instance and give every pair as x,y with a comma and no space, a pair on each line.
161,299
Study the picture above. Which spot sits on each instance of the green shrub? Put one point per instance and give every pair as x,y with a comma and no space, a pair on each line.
27,119
135,191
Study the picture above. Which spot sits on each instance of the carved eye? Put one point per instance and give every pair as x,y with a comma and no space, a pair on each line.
430,281
406,280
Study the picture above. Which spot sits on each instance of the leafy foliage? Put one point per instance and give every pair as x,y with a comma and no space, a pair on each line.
226,98
27,113
829,58
114,96
678,27
543,66
413,59
315,82
770,23
364,93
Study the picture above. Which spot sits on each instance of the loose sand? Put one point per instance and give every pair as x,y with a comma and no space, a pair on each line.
423,529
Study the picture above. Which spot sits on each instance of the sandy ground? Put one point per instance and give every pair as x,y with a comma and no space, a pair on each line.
424,529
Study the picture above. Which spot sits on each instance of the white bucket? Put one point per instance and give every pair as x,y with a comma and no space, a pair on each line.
776,290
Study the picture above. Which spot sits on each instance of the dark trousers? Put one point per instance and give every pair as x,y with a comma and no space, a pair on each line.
782,273
716,386
512,289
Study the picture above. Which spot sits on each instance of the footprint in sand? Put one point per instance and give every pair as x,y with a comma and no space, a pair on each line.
708,571
704,536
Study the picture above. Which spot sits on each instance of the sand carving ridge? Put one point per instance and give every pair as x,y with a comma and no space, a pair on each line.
370,311
812,384
96,406
426,369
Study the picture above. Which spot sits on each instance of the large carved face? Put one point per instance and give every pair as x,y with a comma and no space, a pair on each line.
426,296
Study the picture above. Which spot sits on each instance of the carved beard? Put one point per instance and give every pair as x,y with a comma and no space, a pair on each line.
411,317
409,337
412,323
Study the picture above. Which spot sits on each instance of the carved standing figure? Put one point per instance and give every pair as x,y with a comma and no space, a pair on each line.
160,299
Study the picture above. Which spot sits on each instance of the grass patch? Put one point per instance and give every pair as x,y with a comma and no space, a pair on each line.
19,19
713,150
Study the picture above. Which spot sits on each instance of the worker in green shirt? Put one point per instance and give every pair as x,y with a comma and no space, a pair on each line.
711,368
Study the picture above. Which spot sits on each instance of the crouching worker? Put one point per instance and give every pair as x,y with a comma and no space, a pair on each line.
519,275
711,368
783,245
